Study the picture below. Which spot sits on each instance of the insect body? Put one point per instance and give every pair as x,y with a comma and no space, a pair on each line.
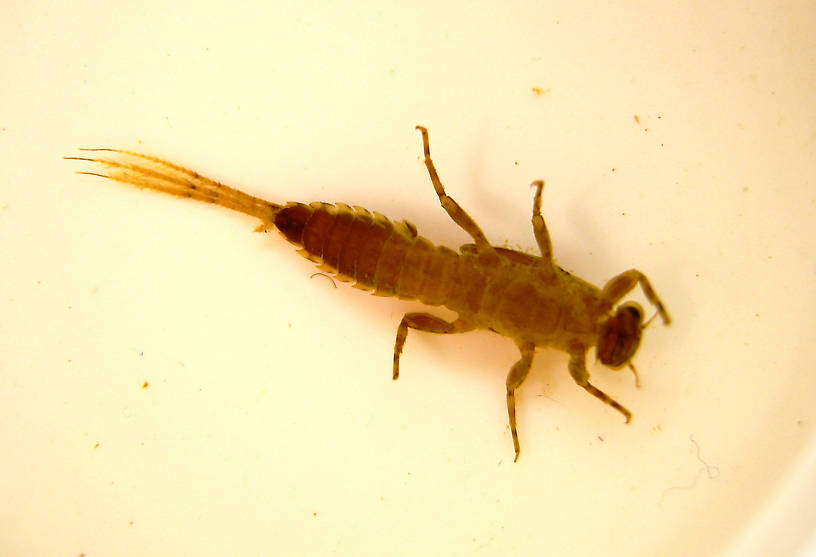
527,298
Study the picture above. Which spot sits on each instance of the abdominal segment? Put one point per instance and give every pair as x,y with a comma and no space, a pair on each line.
379,255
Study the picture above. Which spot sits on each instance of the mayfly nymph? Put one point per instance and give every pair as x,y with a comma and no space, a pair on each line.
527,298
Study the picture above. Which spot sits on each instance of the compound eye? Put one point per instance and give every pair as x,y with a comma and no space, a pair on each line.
634,312
620,335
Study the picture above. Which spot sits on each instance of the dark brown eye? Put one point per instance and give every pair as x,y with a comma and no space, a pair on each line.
620,336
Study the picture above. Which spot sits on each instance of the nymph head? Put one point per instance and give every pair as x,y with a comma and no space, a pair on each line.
620,336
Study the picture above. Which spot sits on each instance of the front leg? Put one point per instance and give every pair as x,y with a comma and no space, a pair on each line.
578,370
515,378
617,287
428,323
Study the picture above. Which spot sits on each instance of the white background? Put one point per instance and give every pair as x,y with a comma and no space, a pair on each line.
270,424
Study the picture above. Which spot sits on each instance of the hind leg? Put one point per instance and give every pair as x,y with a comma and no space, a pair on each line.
542,235
453,209
427,323
518,373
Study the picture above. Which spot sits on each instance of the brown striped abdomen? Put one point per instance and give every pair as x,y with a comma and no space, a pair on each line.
387,257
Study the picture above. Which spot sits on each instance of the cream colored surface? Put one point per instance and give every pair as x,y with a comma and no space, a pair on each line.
269,424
